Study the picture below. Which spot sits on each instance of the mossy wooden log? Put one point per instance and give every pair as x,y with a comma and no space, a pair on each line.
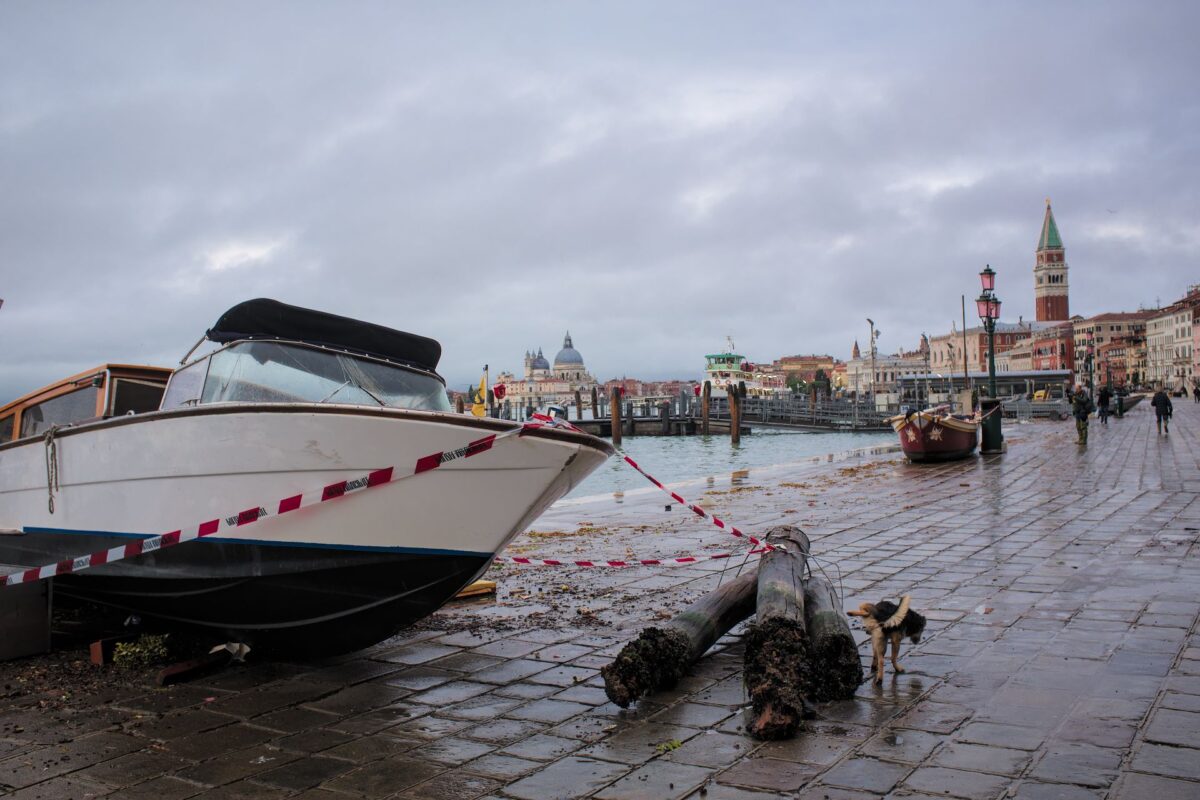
837,669
778,661
660,656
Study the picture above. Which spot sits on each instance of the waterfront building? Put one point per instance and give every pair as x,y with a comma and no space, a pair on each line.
803,368
946,351
543,383
1126,328
888,368
1050,288
1170,354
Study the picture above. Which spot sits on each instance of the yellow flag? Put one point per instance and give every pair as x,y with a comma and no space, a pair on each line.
479,401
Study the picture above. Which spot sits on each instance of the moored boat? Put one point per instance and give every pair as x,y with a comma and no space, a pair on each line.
290,400
936,435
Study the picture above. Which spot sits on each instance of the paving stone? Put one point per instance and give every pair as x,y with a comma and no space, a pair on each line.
981,758
866,774
291,720
360,699
550,711
49,762
420,678
498,765
1032,790
638,744
696,715
1080,764
905,746
934,717
1012,736
503,731
1168,726
1176,762
162,788
236,765
130,769
305,773
385,778
712,749
567,779
769,773
1134,786
212,743
485,706
517,669
450,693
957,783
373,748
452,750
589,695
244,790
419,653
821,791
720,791
661,780
313,740
454,785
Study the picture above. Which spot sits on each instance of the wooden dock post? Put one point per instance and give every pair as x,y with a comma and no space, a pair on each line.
664,414
578,405
459,404
595,404
735,415
614,404
705,394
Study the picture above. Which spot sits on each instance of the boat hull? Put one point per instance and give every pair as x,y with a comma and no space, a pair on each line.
328,578
933,437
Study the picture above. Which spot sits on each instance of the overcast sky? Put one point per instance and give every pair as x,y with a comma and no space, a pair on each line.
652,176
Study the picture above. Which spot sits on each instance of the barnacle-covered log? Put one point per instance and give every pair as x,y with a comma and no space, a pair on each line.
778,662
837,669
660,656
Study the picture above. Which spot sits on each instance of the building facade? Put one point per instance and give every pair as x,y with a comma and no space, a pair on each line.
1170,351
1127,328
543,383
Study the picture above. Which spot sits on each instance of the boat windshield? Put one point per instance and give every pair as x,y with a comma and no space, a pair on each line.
280,372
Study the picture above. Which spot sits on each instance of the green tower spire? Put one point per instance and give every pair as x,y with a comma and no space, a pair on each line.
1050,240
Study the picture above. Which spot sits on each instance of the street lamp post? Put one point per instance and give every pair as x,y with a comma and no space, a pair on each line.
988,306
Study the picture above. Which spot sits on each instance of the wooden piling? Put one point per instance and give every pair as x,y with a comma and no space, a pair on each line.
735,415
578,405
595,404
664,414
459,404
614,404
705,395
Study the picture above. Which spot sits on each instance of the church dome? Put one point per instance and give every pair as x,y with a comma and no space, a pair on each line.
539,361
568,356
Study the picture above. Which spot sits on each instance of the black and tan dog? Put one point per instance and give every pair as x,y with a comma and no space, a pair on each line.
887,621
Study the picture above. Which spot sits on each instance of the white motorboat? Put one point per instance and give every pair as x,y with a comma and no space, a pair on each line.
291,400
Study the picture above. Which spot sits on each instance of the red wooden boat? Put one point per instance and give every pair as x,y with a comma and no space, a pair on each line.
936,435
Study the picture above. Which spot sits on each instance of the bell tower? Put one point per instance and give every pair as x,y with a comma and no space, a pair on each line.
1050,273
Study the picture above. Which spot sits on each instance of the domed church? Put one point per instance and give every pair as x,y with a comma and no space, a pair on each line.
544,384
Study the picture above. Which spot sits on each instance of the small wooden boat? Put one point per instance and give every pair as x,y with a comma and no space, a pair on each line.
936,435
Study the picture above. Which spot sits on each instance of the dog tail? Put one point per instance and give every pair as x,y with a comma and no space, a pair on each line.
901,612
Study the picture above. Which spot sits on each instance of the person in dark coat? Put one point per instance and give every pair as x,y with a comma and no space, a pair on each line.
1196,394
1102,401
1162,410
1081,406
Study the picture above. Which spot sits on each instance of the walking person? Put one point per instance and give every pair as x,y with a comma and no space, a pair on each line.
1196,393
1162,410
1102,401
1082,406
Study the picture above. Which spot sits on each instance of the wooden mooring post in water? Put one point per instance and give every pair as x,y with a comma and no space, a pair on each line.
459,404
614,404
735,415
705,395
578,405
595,404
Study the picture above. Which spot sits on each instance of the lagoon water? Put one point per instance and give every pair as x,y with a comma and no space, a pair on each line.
676,459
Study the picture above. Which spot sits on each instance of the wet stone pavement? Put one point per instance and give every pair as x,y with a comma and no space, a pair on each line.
1061,659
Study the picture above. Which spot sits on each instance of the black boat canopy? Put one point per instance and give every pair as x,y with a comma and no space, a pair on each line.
270,319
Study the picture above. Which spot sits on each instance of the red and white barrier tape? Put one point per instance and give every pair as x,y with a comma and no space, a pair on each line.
379,477
325,494
632,562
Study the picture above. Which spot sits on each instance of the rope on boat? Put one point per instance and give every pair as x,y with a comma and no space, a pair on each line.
51,465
